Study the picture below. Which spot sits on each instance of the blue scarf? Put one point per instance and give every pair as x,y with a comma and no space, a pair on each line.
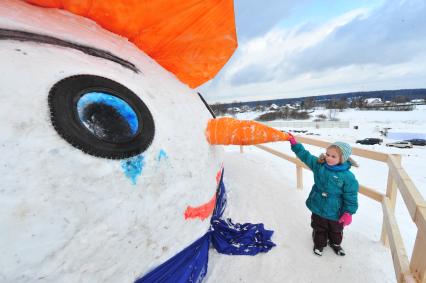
340,167
190,264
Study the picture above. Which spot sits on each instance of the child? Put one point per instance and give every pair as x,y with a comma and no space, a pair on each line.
334,195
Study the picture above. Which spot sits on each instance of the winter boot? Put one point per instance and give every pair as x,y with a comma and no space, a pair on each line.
337,249
318,251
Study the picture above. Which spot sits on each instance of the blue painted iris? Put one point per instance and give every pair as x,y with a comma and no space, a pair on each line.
107,117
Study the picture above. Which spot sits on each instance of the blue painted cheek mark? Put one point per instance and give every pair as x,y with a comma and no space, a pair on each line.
132,167
162,155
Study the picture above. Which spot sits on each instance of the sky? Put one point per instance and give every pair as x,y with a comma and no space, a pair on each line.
314,47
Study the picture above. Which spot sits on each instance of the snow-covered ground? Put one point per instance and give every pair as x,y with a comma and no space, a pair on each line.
262,188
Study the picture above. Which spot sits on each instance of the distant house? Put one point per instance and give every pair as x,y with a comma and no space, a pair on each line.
274,107
289,106
373,102
418,101
245,108
233,110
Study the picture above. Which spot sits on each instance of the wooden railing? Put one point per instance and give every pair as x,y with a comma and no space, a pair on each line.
406,270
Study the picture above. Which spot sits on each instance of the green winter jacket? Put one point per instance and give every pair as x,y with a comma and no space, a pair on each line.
334,192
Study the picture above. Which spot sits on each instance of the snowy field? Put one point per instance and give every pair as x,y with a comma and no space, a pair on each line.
262,188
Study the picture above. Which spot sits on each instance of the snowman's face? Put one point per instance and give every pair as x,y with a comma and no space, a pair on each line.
102,150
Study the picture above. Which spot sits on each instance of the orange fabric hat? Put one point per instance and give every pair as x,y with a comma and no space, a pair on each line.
192,39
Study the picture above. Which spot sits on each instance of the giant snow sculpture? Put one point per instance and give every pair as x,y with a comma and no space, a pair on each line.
107,165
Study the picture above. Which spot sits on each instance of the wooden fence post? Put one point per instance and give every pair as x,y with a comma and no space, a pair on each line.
418,258
299,172
391,193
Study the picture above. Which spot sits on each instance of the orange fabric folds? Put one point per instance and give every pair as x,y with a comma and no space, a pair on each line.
192,39
227,131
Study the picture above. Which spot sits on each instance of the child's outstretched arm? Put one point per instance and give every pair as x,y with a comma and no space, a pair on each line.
305,156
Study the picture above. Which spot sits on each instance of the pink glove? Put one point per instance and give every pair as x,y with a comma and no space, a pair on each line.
346,219
292,139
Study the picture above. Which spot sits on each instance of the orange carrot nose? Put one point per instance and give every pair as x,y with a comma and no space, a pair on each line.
227,131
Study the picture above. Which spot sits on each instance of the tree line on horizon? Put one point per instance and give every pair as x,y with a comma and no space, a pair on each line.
385,95
298,109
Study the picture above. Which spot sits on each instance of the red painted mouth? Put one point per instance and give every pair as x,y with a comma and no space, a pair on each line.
205,210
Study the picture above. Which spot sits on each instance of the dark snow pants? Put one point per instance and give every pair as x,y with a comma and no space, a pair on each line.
326,229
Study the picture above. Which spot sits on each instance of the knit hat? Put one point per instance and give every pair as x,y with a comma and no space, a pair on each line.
345,149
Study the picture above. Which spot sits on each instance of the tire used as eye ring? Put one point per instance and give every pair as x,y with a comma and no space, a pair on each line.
63,98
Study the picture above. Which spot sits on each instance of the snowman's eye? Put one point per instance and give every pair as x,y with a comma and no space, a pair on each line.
107,117
100,116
